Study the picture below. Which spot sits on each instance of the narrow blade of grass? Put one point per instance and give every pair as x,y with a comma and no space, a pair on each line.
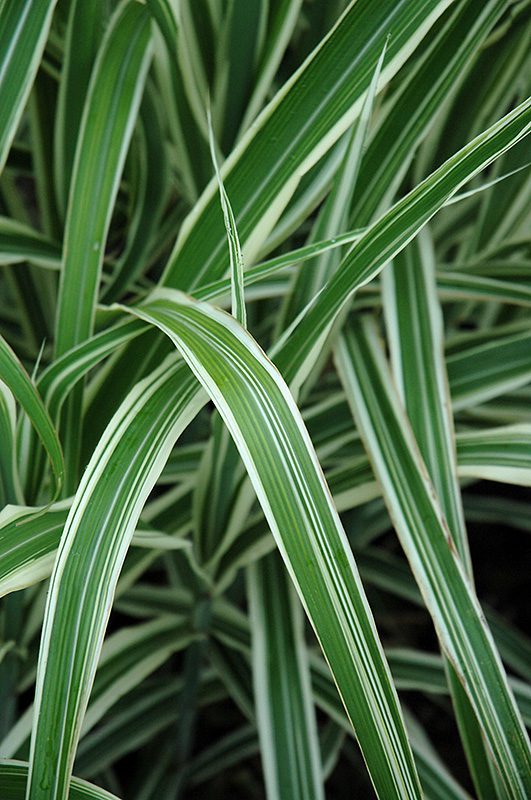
261,415
458,619
286,140
23,32
14,778
415,329
83,36
235,251
109,115
15,377
281,677
109,500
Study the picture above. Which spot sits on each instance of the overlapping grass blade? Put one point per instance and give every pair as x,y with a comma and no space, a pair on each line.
28,553
143,713
23,32
333,216
392,575
415,330
282,21
497,454
30,538
489,368
493,80
411,669
191,150
109,115
41,109
328,700
217,514
82,40
437,781
14,777
460,286
194,38
15,377
281,676
417,102
117,481
229,751
19,242
283,469
58,380
458,619
150,199
503,211
235,251
300,124
294,354
110,112
242,35
128,657
10,490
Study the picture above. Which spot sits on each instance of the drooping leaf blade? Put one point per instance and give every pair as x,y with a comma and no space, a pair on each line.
15,376
274,445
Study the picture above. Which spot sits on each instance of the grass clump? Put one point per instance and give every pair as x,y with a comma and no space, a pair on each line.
264,402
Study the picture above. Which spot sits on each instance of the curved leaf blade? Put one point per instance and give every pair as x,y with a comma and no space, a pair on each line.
296,352
99,528
110,112
14,776
274,445
15,376
24,29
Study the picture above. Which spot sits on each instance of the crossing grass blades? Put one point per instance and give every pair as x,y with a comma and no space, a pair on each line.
265,364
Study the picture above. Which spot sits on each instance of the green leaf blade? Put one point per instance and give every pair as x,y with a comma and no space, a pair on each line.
110,111
276,450
24,28
454,608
